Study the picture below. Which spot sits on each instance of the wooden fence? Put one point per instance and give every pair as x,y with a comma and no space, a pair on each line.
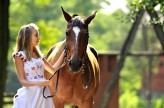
8,98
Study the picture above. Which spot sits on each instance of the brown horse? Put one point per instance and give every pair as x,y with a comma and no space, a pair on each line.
79,79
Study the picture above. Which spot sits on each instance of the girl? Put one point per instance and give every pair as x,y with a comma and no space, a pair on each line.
30,67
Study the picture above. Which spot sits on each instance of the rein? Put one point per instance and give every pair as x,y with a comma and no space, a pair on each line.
57,72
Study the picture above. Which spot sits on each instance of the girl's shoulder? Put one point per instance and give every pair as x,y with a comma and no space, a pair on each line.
20,54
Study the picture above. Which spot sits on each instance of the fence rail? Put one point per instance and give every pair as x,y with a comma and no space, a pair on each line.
8,101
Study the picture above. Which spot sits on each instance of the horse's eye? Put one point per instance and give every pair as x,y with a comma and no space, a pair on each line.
68,26
66,33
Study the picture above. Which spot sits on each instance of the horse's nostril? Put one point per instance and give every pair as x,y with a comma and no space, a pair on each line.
75,65
80,63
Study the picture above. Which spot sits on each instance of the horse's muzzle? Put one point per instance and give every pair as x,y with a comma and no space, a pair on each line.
75,65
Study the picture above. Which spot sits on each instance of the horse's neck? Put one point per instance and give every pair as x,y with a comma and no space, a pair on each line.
56,52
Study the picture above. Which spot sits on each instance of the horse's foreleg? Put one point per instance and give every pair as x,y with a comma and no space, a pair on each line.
58,104
86,104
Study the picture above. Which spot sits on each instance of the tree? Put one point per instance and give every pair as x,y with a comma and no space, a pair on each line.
152,6
4,40
137,9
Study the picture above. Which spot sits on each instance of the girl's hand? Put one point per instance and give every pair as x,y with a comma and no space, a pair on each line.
44,83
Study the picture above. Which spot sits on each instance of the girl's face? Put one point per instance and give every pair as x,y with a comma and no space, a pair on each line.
35,37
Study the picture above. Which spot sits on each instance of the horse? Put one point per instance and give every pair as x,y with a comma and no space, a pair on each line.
77,80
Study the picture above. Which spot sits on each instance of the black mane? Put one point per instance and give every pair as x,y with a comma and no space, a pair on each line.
77,21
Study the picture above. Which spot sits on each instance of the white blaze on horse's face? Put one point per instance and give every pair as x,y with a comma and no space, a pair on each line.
76,31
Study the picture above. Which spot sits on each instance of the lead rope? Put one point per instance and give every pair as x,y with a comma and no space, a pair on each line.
57,71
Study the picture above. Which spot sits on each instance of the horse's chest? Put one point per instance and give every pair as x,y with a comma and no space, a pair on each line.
68,79
68,87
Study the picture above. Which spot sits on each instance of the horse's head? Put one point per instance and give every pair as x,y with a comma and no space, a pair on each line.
76,39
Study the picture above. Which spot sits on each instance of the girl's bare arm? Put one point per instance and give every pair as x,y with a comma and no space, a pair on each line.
58,63
21,75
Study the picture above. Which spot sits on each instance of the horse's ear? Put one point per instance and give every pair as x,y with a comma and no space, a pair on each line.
66,15
90,18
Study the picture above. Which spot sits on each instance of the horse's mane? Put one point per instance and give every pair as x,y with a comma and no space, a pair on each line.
77,21
60,45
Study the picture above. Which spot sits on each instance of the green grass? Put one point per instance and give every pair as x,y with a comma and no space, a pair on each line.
8,99
67,106
7,106
10,106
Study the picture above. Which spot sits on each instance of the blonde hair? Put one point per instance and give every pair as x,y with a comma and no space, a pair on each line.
24,43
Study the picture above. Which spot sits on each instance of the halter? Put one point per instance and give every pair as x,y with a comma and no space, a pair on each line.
82,74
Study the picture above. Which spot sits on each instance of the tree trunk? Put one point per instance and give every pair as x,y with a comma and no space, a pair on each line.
124,51
157,27
4,41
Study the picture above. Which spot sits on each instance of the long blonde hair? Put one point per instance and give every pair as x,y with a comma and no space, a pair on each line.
24,43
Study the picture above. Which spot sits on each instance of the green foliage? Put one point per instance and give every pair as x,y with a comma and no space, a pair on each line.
152,5
131,82
51,22
147,41
107,33
42,2
49,35
129,99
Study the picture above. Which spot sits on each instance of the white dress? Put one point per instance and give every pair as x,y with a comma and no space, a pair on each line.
32,97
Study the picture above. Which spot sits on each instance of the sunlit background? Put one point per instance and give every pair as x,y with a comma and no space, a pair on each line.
108,32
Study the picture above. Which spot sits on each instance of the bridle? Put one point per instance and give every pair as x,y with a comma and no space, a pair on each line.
82,73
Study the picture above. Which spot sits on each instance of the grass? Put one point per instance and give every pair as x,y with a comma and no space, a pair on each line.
10,106
10,99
